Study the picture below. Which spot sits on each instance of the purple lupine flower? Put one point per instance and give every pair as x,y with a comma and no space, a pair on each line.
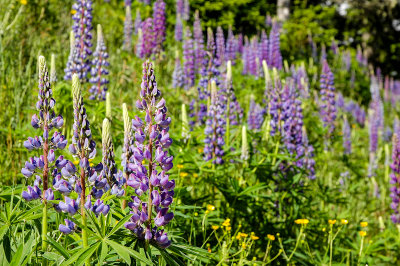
323,53
275,106
346,136
395,180
230,50
301,81
152,185
68,228
313,46
328,105
268,20
373,141
178,79
186,10
180,6
256,115
215,127
362,61
46,120
245,57
275,57
292,117
114,177
252,51
159,25
234,111
148,39
240,43
99,70
334,47
138,21
340,101
70,206
198,42
82,28
264,46
178,28
128,29
189,60
220,45
346,59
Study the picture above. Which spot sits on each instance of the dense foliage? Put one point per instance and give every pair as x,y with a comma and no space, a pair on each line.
170,136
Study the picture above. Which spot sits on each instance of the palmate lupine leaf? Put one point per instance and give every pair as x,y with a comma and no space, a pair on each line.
58,247
82,255
126,252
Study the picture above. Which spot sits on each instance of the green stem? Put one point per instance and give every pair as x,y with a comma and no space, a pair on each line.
361,248
227,124
44,227
275,153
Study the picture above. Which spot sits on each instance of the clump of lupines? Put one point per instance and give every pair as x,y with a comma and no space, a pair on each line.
178,27
395,180
152,185
328,105
189,60
159,25
99,70
215,128
198,42
178,79
220,45
46,164
82,28
256,115
138,21
114,177
128,27
346,136
148,38
230,50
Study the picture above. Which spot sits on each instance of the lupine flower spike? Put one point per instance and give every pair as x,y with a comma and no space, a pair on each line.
178,79
159,25
99,70
53,71
47,163
127,150
189,60
395,181
152,186
128,29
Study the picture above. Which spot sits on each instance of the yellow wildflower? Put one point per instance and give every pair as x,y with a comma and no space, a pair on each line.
243,245
196,214
254,237
215,227
362,233
228,228
209,250
244,235
210,207
332,221
195,175
271,237
364,224
73,11
227,222
76,162
207,211
180,166
183,174
302,221
344,221
323,229
143,161
91,164
238,236
24,2
200,150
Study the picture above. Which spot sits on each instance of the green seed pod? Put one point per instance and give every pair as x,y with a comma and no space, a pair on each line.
108,106
106,134
245,146
53,72
127,122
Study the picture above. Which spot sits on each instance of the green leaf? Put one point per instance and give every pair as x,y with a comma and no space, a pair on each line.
58,247
81,255
126,252
119,224
104,252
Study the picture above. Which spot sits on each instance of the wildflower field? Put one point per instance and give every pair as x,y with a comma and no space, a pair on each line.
180,132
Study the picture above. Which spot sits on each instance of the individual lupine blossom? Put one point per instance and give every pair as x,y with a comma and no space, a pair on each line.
178,79
159,25
264,47
255,118
198,43
70,67
46,120
53,72
186,10
327,105
230,50
99,70
138,21
188,60
307,161
275,106
152,185
275,57
178,28
220,45
128,27
215,128
114,177
82,28
292,117
395,180
346,136
68,228
148,39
